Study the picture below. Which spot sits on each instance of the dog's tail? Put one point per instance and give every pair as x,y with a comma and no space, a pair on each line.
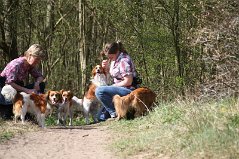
17,106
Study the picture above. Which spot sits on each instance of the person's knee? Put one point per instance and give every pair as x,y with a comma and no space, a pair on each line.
99,91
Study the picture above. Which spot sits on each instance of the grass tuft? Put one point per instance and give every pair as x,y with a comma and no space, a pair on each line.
9,129
181,130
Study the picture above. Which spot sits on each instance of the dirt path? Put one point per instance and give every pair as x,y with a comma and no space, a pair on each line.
85,142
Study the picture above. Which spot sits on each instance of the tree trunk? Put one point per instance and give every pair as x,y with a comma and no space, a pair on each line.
176,36
49,22
9,41
82,49
49,31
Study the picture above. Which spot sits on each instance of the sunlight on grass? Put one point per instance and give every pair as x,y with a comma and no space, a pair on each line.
9,129
182,130
77,120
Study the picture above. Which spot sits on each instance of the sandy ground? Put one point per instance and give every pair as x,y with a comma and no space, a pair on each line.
83,142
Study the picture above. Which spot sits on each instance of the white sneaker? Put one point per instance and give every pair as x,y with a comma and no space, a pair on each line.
113,115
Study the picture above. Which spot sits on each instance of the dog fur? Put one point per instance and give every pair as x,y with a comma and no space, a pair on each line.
54,98
37,104
137,102
65,107
77,103
90,102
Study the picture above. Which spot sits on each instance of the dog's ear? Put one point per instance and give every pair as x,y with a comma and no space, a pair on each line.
70,94
61,91
93,72
47,94
59,96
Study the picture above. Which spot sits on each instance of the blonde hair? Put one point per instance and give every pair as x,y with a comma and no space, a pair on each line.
36,50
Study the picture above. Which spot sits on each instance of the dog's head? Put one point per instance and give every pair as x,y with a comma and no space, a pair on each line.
54,97
8,92
99,76
98,69
66,95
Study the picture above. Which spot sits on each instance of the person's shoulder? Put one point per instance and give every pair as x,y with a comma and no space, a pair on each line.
126,57
18,61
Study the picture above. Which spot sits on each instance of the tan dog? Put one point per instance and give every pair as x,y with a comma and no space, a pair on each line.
138,101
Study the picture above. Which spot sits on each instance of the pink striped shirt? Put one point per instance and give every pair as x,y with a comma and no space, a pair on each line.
122,67
18,70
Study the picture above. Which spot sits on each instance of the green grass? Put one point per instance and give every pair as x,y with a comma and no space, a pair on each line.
172,130
77,120
181,130
8,129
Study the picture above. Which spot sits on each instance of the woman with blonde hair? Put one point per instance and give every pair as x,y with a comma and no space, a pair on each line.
18,70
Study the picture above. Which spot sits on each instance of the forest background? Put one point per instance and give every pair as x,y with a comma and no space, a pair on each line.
181,48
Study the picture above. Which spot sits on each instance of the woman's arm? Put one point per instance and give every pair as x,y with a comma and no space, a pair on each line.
127,81
37,82
22,89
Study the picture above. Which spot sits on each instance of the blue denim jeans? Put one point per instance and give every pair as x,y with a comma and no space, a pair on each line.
105,95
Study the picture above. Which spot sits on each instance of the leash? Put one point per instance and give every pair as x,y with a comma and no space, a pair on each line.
143,103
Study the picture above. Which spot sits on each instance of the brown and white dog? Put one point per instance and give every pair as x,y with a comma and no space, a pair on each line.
90,102
137,102
65,108
38,104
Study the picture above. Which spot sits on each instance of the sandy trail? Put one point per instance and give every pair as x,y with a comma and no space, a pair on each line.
81,142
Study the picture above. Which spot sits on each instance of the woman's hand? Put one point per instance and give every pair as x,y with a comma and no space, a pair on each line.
22,89
127,81
36,86
105,65
29,91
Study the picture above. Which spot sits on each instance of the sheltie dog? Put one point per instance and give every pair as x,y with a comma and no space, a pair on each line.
137,103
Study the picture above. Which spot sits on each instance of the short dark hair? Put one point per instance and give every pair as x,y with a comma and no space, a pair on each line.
113,48
116,46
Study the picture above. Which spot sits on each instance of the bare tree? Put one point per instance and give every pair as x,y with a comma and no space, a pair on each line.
82,49
8,42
